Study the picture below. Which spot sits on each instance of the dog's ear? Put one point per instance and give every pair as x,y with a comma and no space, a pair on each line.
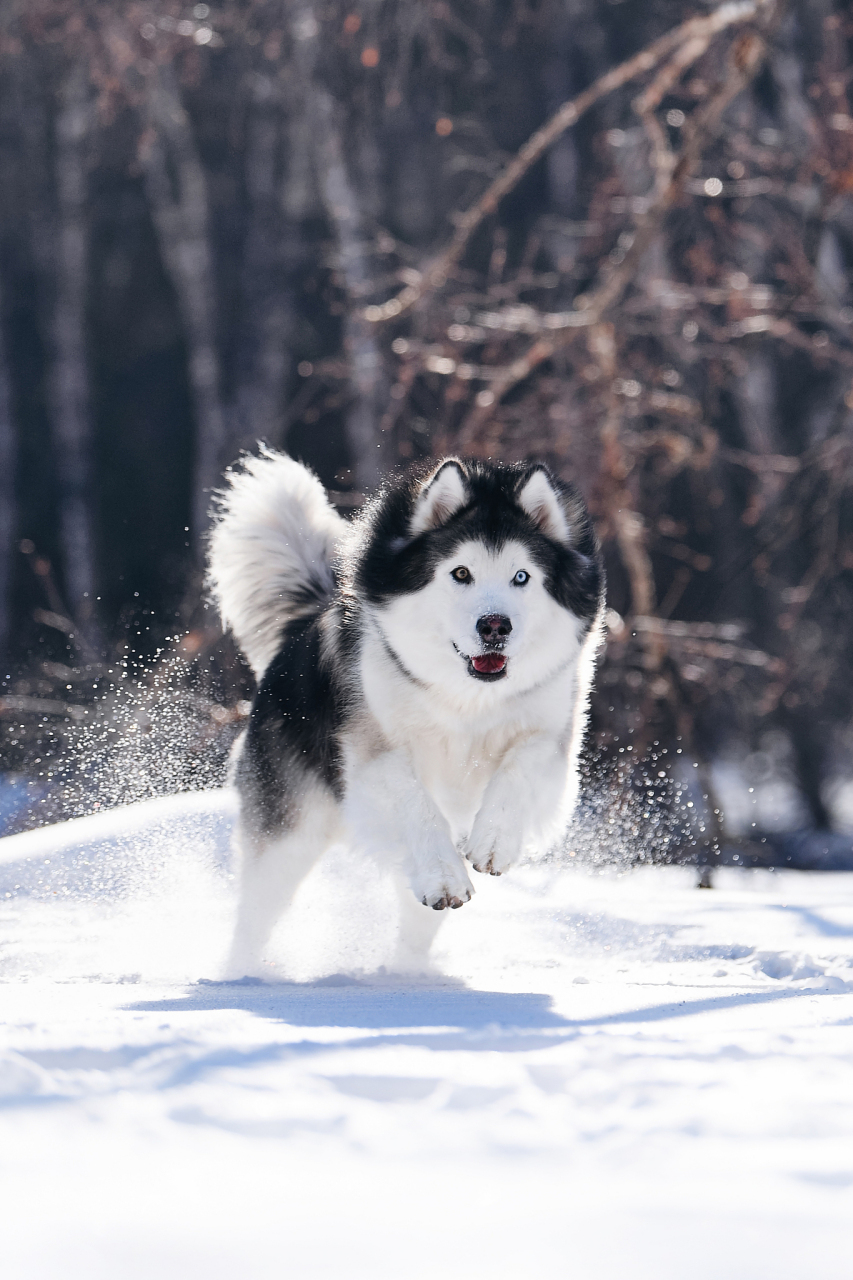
542,502
440,497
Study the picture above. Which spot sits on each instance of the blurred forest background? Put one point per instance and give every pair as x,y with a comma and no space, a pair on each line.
615,235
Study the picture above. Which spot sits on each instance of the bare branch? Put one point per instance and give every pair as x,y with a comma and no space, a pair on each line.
645,105
744,61
762,462
690,33
708,641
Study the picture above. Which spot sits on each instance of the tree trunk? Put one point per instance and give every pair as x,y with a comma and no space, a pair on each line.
270,256
8,506
177,191
345,212
69,381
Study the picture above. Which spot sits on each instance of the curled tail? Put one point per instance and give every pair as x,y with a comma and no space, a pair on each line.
270,551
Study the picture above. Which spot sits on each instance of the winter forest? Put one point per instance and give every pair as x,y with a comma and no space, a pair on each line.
613,236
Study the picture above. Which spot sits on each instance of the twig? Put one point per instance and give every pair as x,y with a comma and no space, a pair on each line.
645,105
708,640
799,596
21,705
759,463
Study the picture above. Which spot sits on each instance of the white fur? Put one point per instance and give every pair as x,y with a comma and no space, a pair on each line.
442,495
541,503
274,531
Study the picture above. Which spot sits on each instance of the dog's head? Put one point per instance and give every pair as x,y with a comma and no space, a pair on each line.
481,574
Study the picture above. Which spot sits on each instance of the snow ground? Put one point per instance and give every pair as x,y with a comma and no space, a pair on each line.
607,1076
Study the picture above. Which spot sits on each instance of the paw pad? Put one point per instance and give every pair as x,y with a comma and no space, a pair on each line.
487,868
447,900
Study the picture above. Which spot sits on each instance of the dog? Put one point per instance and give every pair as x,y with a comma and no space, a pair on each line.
423,677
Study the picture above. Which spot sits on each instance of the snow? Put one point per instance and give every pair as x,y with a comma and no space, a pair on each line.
607,1075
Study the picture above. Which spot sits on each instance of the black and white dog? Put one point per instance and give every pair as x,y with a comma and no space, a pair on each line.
423,676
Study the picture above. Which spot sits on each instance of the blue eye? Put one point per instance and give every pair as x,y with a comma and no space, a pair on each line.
521,578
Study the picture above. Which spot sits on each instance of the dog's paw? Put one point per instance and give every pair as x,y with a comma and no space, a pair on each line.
444,887
444,897
488,868
439,878
490,852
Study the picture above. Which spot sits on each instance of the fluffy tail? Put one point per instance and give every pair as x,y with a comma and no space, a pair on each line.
270,551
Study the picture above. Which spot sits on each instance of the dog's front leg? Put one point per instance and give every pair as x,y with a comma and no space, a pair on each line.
388,811
528,800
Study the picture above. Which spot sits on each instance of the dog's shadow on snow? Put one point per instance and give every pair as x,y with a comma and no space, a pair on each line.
344,1002
440,1015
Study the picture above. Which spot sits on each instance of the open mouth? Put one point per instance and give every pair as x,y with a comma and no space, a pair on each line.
489,664
485,666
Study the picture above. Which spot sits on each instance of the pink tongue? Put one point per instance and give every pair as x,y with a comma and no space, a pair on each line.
489,663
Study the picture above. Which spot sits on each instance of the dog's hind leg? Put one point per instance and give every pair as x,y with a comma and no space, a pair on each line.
273,868
416,930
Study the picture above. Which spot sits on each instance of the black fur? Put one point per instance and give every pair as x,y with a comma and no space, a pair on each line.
395,564
293,730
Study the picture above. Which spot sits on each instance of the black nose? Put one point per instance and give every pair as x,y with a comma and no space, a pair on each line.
493,628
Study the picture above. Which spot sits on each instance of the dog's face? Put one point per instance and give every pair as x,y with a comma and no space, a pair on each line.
485,616
487,578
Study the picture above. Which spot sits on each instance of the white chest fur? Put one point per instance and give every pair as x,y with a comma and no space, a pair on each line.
455,747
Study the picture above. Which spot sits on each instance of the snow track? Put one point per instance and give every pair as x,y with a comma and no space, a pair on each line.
605,1077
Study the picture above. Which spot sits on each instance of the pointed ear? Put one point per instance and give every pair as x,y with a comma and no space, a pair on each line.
440,498
538,497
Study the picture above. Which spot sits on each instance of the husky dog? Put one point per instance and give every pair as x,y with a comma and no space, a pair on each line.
423,675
